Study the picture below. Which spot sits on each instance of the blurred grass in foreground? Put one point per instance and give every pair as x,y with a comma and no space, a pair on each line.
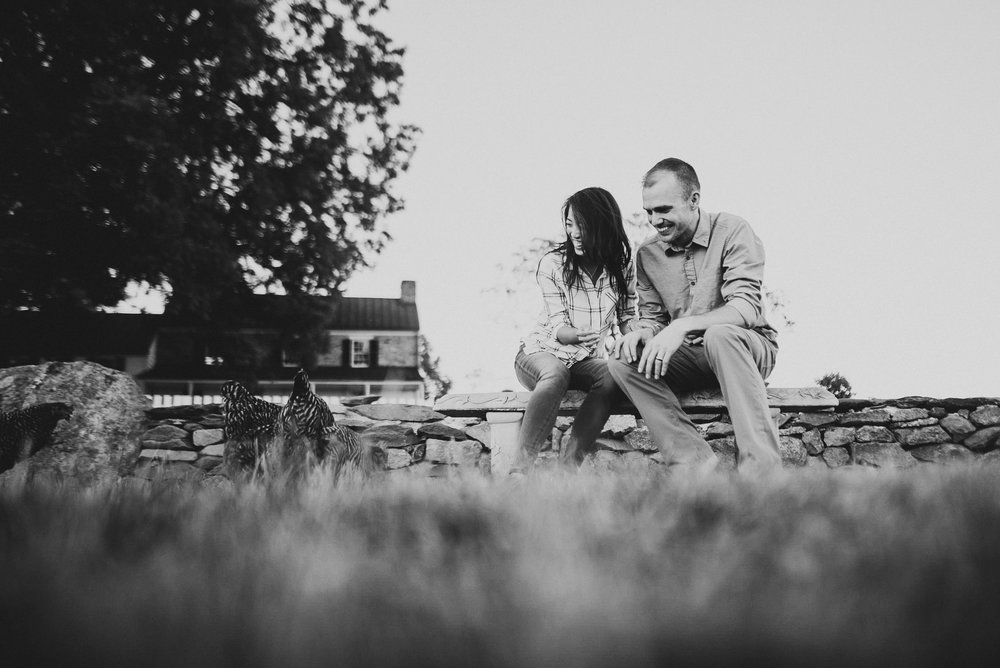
825,568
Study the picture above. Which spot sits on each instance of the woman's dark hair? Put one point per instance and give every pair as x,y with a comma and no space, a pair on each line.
603,233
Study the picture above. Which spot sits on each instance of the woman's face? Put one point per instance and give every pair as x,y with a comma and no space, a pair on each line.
574,232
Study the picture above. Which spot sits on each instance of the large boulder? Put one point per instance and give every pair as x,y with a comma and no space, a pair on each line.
100,441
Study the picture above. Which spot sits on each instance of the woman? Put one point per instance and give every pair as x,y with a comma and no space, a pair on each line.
588,288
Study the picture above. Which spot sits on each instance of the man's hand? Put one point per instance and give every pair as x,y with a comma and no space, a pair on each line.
628,345
658,351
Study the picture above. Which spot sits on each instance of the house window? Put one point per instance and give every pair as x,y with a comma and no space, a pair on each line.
360,353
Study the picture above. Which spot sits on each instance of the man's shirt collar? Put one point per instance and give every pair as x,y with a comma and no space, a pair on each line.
702,235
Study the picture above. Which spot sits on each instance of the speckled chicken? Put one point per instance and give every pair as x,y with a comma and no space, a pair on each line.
311,424
251,424
23,432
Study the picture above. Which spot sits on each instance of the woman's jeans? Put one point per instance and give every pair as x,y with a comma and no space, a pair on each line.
548,378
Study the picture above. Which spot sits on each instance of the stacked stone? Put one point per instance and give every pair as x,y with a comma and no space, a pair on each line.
181,442
189,441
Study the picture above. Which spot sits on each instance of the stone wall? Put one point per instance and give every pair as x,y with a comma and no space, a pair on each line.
187,441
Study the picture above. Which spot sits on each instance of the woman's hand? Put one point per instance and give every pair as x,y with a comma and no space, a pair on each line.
571,336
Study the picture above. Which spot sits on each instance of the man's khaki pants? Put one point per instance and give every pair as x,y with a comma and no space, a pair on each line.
735,359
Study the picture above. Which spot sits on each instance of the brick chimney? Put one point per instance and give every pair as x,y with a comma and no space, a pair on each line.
408,292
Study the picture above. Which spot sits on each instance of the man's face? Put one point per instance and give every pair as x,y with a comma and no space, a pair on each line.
674,216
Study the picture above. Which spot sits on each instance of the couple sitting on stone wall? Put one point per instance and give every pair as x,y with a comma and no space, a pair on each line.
689,311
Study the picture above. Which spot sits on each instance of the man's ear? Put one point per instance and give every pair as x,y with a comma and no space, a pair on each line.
695,199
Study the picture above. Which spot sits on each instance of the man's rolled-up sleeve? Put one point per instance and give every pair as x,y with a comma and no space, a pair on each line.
743,274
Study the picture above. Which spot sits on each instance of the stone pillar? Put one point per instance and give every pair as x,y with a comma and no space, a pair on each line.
504,430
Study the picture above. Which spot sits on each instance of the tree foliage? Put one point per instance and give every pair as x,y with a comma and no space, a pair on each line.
209,148
436,382
838,386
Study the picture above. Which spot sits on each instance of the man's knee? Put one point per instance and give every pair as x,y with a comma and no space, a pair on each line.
619,369
723,336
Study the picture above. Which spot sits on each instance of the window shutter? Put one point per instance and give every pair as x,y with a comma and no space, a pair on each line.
345,347
373,353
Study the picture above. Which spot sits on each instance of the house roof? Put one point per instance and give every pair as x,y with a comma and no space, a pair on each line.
319,374
347,313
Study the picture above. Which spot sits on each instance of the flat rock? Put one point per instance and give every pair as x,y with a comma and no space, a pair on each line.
100,441
355,422
923,436
214,450
836,457
906,414
614,444
479,432
390,436
991,458
462,422
563,423
984,439
985,416
921,422
213,421
441,430
399,412
208,464
812,441
701,418
725,449
639,439
874,434
204,437
398,458
837,436
618,425
882,455
958,426
816,463
169,455
792,431
175,444
165,432
718,430
361,400
464,454
186,412
815,419
867,416
793,453
943,453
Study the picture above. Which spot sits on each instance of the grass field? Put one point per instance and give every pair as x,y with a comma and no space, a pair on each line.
847,567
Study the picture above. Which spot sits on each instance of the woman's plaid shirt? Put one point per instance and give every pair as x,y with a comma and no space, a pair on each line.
586,305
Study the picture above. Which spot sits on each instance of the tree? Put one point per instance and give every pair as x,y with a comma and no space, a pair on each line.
207,148
838,386
437,383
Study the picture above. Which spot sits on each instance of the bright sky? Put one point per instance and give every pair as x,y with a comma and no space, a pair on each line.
860,138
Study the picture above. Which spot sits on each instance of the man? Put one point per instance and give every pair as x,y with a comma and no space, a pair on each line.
700,324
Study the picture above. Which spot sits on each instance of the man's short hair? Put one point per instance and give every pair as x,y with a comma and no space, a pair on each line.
684,173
